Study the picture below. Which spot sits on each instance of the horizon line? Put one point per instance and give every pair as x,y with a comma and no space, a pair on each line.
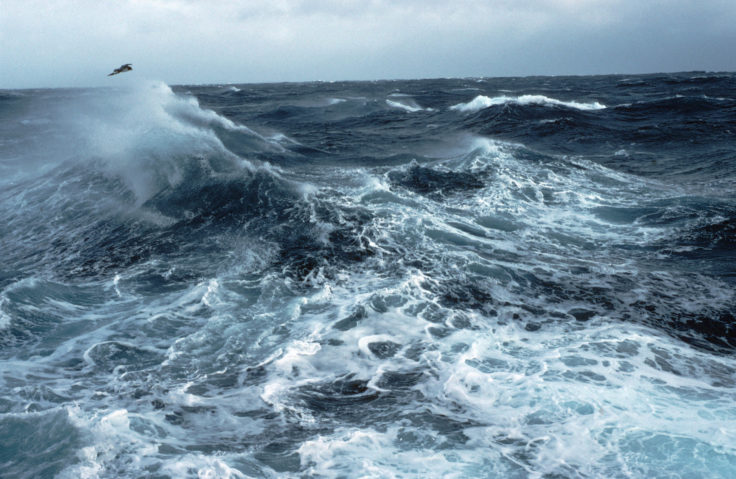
276,82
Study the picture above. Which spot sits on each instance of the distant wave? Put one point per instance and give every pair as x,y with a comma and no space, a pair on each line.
481,101
406,105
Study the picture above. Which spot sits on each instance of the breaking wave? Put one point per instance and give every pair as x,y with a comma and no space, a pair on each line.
481,102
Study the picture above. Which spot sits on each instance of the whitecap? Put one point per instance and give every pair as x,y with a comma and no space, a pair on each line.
481,101
406,105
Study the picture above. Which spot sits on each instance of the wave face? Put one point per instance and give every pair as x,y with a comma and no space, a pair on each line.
529,277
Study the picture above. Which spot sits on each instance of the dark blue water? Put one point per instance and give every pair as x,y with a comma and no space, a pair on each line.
512,277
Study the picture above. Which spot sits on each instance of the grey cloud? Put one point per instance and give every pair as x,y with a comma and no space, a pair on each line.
186,41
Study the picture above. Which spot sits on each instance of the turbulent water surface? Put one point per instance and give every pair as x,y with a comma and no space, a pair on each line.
509,278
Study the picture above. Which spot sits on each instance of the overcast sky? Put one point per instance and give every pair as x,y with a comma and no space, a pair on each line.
45,43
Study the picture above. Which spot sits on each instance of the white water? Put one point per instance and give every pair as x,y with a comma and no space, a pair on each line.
481,102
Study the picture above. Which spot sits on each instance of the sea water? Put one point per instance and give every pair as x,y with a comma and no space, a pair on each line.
483,277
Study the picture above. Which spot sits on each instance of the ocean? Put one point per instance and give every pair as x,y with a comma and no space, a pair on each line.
481,277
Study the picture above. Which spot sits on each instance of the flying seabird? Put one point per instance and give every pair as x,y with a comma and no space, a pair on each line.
124,68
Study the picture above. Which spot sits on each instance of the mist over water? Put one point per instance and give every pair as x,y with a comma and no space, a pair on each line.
528,277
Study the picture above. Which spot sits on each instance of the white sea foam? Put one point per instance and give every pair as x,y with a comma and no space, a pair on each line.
5,318
204,466
111,433
591,381
570,395
481,102
367,453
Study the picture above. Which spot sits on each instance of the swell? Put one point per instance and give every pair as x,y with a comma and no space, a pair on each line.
679,136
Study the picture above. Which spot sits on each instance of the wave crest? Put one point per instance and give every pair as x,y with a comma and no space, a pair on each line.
406,105
481,102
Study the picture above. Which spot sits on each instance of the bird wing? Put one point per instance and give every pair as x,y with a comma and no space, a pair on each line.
123,68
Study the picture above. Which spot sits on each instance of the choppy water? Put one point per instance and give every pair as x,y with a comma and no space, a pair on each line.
508,278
